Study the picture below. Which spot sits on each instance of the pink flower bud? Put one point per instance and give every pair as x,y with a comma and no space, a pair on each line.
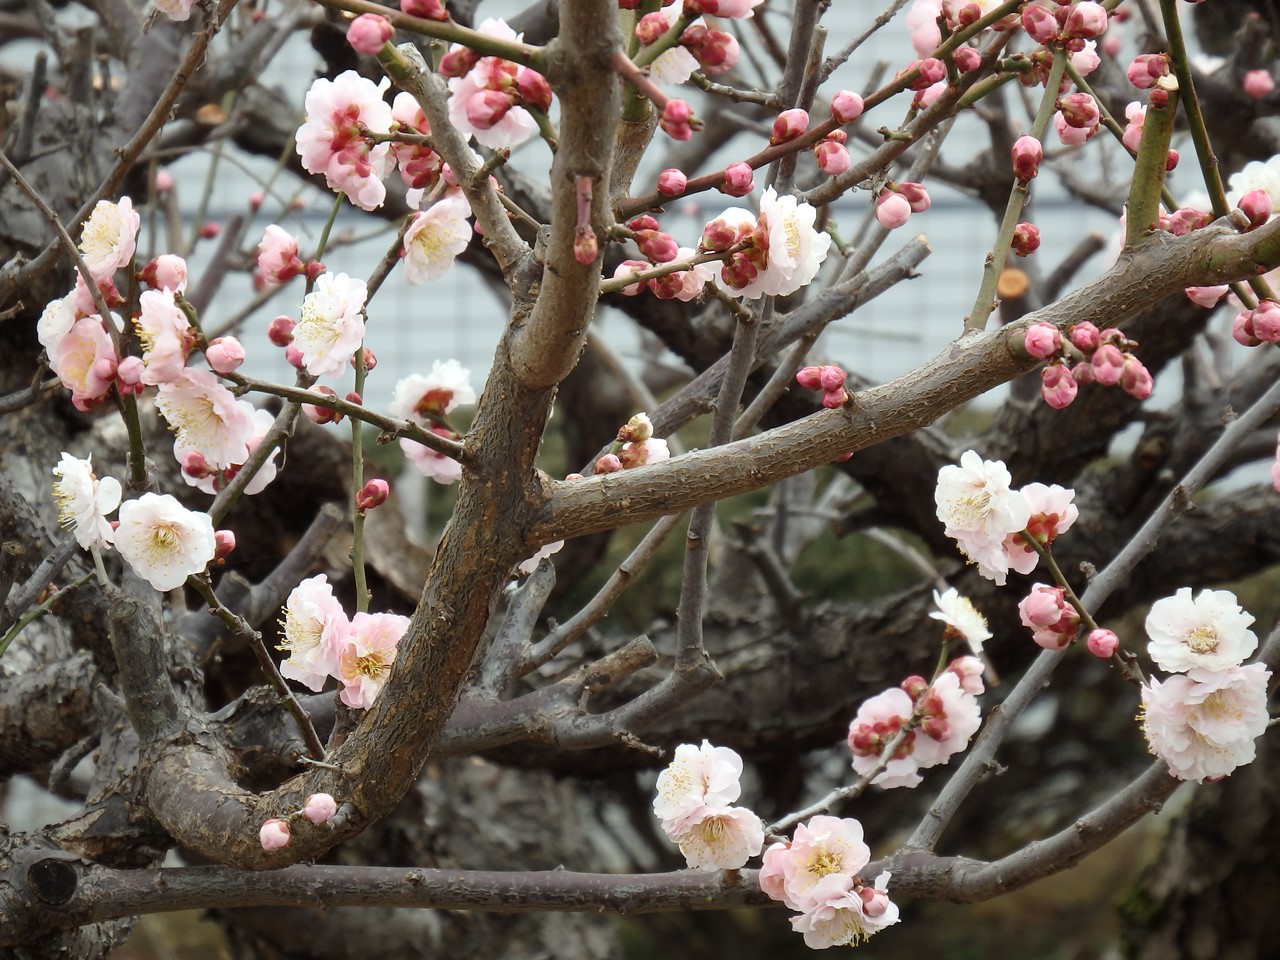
164,181
739,179
167,271
1257,83
810,378
585,246
534,89
831,377
1052,639
256,199
789,124
846,106
609,463
1108,364
104,368
224,543
659,247
368,32
370,360
426,9
1256,205
1026,239
488,107
672,182
1135,378
1171,160
643,222
321,415
892,210
224,354
717,51
833,158
1102,643
651,28
1242,330
372,494
1266,321
1085,337
1207,297
1058,386
129,371
1027,154
458,62
914,686
967,59
1071,136
1147,68
353,397
196,466
208,231
1079,110
875,902
1086,21
320,808
677,120
832,399
932,70
280,332
626,269
916,195
274,835
1040,24
1082,373
1043,341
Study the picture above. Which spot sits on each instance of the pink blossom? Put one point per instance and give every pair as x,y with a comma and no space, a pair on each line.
1207,632
968,671
224,354
80,359
878,721
926,97
207,417
846,106
430,464
1102,643
1147,68
166,336
721,838
697,777
949,716
1204,725
715,50
772,878
1136,114
368,33
1257,83
274,835
108,239
1057,386
471,96
278,259
436,238
649,451
320,808
530,564
365,658
672,182
1043,341
922,22
1069,135
845,913
1086,19
629,268
162,541
1040,24
315,628
424,399
1266,321
786,251
1052,513
1042,607
332,142
684,285
823,847
1256,205
1207,297
892,210
1086,59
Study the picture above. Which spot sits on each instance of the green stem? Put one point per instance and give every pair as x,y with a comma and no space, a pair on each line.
357,483
986,299
328,229
1149,169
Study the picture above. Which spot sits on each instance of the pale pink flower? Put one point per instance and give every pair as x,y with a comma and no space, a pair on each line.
166,272
978,509
1209,632
949,717
1204,724
364,661
922,21
278,259
320,808
331,327
1207,297
162,541
697,777
1136,114
653,450
969,671
85,361
786,251
509,127
84,500
844,913
436,239
878,721
274,834
207,417
677,63
315,628
165,334
109,237
822,847
431,464
772,877
721,838
331,141
1086,60
961,617
217,474
421,398
1052,513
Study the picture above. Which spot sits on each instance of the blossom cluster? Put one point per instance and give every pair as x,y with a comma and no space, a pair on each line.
425,400
775,253
816,873
323,643
634,446
987,517
1086,355
694,801
1203,720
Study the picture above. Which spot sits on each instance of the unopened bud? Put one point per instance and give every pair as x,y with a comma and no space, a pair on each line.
280,332
846,106
789,124
672,182
372,494
1102,643
320,808
224,354
224,542
739,179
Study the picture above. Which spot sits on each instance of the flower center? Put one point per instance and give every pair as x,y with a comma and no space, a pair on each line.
1202,640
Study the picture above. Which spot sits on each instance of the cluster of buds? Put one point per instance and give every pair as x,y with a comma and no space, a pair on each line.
830,380
420,167
898,201
677,120
832,154
725,233
635,446
499,85
1068,25
715,50
275,834
1053,621
1257,326
653,243
1077,119
1087,356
